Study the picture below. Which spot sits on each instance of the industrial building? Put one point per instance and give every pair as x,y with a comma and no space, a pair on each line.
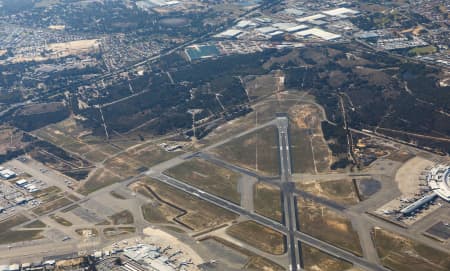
7,174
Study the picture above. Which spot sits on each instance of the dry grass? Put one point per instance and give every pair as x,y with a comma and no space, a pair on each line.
209,177
316,260
51,206
259,236
327,225
402,254
256,151
267,201
199,215
99,179
340,191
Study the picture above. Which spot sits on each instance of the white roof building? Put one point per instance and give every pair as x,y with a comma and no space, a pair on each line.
317,32
340,11
7,174
230,33
311,18
439,181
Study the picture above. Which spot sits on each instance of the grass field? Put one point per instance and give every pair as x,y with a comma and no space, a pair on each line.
256,151
254,261
260,86
327,225
260,263
258,236
340,191
151,154
200,214
61,220
12,221
316,260
99,179
124,165
209,177
399,253
51,206
70,135
422,50
301,150
123,217
36,224
267,201
159,213
310,153
9,237
117,231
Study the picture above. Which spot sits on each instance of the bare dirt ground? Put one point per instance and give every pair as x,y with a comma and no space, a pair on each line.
407,177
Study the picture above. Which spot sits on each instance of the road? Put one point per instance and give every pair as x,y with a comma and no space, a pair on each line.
290,211
305,238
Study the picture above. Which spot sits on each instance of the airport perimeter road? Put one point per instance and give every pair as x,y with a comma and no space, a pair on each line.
290,212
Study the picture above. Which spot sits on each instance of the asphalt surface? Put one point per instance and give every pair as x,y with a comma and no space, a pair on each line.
304,238
290,212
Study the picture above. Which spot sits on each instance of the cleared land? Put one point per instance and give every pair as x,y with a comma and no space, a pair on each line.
151,154
199,214
99,179
258,236
209,177
310,153
340,191
256,151
262,85
316,260
327,225
124,165
156,212
402,254
70,134
267,201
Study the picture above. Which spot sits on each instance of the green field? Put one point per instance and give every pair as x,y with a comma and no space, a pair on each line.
209,177
256,151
